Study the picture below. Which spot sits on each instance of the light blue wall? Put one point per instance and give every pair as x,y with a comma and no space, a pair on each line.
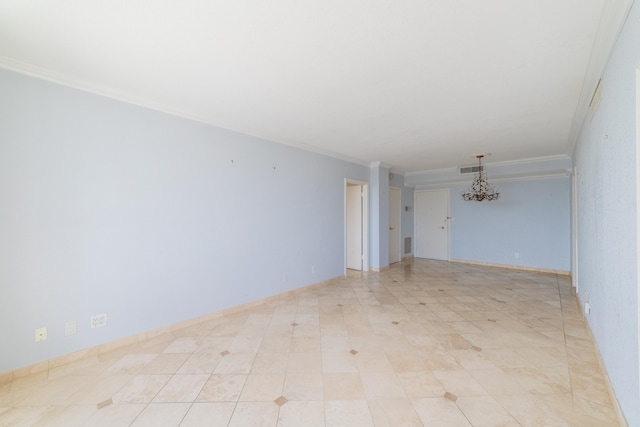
605,157
379,208
112,208
531,217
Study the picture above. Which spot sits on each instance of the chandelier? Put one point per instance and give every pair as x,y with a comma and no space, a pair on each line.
480,189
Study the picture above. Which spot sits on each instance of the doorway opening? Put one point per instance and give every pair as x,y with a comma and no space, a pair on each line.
356,225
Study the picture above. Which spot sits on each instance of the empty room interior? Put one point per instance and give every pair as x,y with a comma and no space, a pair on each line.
319,213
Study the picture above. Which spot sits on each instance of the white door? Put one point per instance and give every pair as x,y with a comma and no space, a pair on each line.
394,224
431,224
354,227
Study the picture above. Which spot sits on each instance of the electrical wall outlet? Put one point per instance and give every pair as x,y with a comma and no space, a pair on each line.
70,328
98,320
313,269
285,278
41,334
516,255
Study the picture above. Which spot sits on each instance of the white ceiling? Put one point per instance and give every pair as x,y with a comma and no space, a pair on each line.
417,84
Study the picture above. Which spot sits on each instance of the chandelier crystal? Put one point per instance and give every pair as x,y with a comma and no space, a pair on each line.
480,189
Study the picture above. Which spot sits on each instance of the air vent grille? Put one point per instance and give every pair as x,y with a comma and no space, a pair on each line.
407,245
471,169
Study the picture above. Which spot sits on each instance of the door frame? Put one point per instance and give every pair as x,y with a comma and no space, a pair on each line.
638,204
415,217
365,223
574,228
399,208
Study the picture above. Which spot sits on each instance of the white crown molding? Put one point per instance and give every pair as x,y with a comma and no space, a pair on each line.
468,180
68,81
528,160
536,177
396,172
433,171
380,164
614,15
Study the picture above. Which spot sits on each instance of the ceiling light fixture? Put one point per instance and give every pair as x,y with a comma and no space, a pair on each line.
480,189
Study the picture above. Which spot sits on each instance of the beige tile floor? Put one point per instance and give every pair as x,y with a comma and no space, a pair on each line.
424,343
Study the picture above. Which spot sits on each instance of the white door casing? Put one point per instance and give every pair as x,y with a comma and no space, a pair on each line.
356,225
574,227
638,208
432,224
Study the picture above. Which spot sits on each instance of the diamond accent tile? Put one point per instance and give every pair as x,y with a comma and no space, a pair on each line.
105,403
280,401
491,354
450,396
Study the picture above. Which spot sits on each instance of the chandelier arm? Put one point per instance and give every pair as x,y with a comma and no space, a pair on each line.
480,188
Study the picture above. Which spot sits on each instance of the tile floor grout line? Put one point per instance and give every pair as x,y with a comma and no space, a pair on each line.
526,318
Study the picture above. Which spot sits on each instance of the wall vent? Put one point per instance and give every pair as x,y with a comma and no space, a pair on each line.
471,169
407,245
